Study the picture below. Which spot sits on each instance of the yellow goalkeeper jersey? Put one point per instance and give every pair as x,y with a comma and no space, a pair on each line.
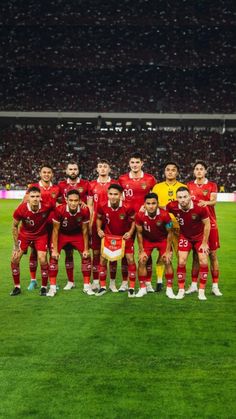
167,193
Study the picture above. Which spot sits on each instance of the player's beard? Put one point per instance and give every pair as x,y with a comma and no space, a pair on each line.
72,177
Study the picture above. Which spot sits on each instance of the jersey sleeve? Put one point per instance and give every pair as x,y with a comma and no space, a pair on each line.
18,214
86,215
56,215
204,213
138,219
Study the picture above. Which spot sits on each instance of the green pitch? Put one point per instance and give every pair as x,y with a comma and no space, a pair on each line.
75,356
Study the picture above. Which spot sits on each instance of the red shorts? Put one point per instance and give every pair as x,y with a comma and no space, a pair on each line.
75,242
95,240
150,246
129,246
40,243
185,245
213,240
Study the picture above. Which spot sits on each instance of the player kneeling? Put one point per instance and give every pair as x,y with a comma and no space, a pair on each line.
154,231
115,218
70,228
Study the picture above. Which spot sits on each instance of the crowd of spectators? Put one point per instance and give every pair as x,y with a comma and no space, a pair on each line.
25,148
140,56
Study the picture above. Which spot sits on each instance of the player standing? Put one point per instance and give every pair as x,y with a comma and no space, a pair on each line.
33,217
70,227
49,195
194,225
72,182
154,231
204,191
116,218
136,184
166,192
97,195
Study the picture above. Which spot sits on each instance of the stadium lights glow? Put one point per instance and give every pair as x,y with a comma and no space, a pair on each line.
108,123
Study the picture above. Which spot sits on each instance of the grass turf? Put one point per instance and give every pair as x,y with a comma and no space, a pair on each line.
76,356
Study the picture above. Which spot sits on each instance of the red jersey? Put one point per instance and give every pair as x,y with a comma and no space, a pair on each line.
81,185
98,191
190,221
70,223
116,221
34,224
154,228
136,189
50,194
203,192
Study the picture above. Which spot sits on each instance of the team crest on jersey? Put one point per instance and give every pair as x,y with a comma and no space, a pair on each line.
44,215
79,219
80,190
194,216
205,192
53,195
122,216
170,193
158,223
143,185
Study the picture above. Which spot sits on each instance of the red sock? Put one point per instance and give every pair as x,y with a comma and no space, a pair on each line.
15,268
44,274
33,263
181,275
203,276
102,275
132,275
96,259
113,268
142,280
195,273
169,279
124,269
69,264
53,271
215,276
86,269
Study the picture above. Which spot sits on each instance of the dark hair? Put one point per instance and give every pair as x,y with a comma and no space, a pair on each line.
200,162
115,186
136,155
48,166
151,195
103,161
182,189
72,192
172,163
33,189
72,162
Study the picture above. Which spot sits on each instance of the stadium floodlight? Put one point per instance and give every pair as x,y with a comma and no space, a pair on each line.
108,123
70,123
128,123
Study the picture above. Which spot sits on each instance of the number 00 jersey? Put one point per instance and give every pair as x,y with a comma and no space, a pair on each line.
136,189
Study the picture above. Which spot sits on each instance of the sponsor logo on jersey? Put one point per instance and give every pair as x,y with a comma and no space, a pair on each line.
143,185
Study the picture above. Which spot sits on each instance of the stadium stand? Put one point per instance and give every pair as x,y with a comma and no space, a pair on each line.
24,148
